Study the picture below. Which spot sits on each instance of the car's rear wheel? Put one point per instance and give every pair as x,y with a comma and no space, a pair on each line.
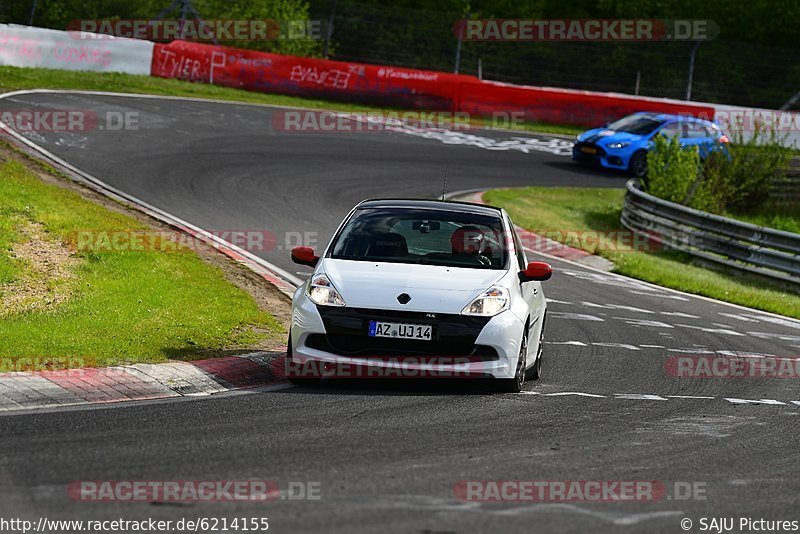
638,164
298,374
514,385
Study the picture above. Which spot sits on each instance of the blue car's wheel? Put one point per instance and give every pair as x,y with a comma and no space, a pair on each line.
638,164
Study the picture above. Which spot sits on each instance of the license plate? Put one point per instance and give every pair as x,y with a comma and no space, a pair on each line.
588,150
400,330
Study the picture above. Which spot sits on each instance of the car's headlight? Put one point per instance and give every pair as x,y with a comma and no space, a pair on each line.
489,303
617,145
322,292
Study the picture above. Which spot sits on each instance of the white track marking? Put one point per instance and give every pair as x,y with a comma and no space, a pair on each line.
650,294
745,354
559,147
647,397
752,401
576,343
555,301
574,393
616,307
680,314
575,316
713,330
653,346
739,316
617,345
692,351
638,396
675,293
643,322
790,323
768,335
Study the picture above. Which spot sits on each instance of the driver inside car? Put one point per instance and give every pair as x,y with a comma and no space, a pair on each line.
469,241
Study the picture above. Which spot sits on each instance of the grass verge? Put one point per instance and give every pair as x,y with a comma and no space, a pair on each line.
566,212
781,218
65,305
15,79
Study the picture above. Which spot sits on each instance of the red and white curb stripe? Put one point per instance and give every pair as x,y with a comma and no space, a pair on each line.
75,387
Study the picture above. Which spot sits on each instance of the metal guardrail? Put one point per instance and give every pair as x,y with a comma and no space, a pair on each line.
784,189
733,245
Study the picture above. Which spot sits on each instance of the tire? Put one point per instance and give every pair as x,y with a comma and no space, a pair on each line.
535,372
305,381
514,385
637,167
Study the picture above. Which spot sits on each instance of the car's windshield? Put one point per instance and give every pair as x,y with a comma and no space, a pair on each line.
422,236
636,124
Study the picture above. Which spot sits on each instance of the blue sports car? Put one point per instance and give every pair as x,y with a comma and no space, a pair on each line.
623,144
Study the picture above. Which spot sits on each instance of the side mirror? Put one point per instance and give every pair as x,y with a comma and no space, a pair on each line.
536,270
304,256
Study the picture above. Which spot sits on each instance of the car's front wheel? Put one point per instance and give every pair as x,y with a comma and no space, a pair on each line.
297,374
638,164
535,372
514,385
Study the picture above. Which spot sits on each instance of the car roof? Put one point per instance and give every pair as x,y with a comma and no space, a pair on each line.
670,116
444,205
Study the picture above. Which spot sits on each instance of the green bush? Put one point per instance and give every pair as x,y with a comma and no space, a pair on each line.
671,169
735,179
738,178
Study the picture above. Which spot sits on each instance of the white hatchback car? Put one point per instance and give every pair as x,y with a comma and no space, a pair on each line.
420,288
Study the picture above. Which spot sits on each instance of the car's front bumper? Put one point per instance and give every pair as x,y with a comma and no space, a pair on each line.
462,346
594,154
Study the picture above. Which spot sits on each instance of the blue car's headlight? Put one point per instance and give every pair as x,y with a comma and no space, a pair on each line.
617,145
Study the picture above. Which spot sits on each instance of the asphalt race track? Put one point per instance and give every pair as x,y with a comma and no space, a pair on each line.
388,458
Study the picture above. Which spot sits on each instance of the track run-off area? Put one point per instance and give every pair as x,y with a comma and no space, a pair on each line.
391,458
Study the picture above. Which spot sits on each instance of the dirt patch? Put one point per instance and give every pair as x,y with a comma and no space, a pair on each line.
44,283
267,296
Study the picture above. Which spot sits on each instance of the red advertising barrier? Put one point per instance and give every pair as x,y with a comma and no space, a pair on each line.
274,73
563,106
391,86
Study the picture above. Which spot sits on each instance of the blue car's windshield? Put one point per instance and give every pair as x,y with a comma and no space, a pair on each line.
636,124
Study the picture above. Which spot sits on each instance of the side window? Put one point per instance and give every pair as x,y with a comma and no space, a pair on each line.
521,259
698,131
671,130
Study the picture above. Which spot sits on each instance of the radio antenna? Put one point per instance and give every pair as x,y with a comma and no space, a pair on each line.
444,185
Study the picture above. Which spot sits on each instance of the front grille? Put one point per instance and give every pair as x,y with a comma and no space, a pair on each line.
578,146
370,347
452,335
